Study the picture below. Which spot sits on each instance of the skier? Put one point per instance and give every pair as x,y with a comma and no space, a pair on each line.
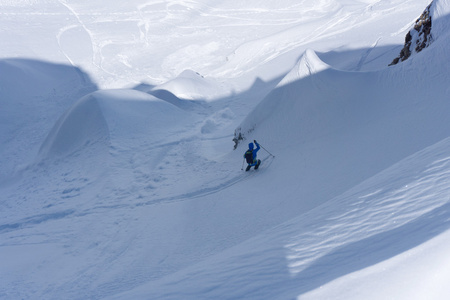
250,156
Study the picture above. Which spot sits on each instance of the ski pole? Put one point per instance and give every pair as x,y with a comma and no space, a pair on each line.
266,150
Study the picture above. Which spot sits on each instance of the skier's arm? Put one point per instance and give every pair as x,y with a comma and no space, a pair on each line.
257,146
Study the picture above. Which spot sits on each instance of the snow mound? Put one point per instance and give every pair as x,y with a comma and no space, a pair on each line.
165,95
17,74
172,216
191,85
307,68
309,64
110,118
326,122
33,95
82,125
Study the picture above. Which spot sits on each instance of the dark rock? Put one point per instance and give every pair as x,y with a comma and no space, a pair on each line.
417,38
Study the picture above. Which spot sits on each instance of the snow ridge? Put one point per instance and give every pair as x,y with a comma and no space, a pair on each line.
136,193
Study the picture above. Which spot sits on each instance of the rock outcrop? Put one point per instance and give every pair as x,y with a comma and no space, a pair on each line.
417,38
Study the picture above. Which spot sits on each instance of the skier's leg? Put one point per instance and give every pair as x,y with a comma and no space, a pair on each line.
257,164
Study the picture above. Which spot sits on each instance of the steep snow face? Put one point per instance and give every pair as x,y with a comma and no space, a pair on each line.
138,197
191,85
417,38
385,237
440,13
105,121
83,126
358,123
309,65
33,95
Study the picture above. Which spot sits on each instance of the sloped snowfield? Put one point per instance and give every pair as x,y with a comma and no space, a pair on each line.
118,176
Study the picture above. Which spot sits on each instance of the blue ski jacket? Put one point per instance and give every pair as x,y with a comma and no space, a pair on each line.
254,152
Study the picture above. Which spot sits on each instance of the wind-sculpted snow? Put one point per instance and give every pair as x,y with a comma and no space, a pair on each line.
365,233
360,122
141,41
80,127
137,193
33,95
190,85
309,65
108,119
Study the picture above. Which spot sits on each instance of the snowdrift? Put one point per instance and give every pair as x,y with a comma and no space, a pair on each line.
355,246
190,85
80,128
343,142
343,127
109,119
33,95
137,195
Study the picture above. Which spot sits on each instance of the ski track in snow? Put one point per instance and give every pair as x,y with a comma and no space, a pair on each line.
163,212
113,59
366,54
383,217
76,213
205,191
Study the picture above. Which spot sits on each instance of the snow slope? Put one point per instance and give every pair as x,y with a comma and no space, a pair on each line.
33,95
136,193
384,238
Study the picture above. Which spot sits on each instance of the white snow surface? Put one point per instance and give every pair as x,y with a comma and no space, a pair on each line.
118,178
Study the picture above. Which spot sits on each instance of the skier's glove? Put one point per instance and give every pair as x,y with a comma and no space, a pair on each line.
255,141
